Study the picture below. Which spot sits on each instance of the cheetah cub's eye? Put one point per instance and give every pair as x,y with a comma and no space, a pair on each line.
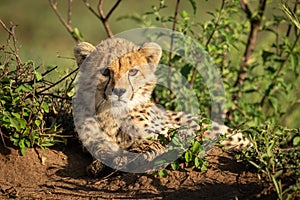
105,72
133,72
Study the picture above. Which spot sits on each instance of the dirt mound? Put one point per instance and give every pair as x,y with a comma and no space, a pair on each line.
59,173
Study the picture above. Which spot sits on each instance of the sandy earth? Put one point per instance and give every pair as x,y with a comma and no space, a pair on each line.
60,174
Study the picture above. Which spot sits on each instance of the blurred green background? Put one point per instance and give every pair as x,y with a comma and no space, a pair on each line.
42,38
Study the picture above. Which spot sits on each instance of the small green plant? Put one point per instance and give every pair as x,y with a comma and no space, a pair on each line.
193,157
276,154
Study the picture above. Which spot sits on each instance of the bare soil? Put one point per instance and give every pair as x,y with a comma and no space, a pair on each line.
60,173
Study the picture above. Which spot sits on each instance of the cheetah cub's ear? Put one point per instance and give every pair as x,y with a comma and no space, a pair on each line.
152,51
82,50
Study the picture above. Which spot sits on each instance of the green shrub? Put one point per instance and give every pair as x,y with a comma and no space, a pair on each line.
276,153
27,105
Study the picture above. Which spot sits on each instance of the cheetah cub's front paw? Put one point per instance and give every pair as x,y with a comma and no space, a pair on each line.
97,169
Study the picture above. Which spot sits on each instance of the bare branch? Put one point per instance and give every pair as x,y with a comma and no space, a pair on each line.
216,24
255,23
67,25
15,52
246,8
100,10
290,25
88,5
1,134
56,83
101,16
70,13
112,9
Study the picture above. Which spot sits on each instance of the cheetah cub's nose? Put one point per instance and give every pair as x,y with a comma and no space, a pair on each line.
119,91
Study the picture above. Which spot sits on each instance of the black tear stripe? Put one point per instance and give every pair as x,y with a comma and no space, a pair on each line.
105,88
120,64
131,87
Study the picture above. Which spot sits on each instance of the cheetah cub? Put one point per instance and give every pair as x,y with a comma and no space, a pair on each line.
114,115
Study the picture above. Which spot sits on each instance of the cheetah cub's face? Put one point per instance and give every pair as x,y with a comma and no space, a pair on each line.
130,80
127,81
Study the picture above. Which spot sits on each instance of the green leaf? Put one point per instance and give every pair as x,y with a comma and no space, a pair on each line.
198,163
23,151
27,142
38,76
163,173
37,122
266,54
14,123
71,92
77,34
194,5
45,107
47,144
278,173
175,165
196,147
188,156
23,88
23,123
296,141
203,167
17,115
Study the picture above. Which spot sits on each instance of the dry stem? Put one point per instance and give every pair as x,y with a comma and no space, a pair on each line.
100,15
15,52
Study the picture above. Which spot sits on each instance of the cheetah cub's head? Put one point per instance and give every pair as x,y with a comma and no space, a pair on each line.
126,77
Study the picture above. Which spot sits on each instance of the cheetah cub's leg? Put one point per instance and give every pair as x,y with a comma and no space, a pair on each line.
234,140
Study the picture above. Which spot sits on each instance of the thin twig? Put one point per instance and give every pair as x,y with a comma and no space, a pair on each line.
70,13
101,16
112,9
246,8
11,32
290,25
216,24
88,5
61,80
67,25
264,98
171,47
54,96
1,134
